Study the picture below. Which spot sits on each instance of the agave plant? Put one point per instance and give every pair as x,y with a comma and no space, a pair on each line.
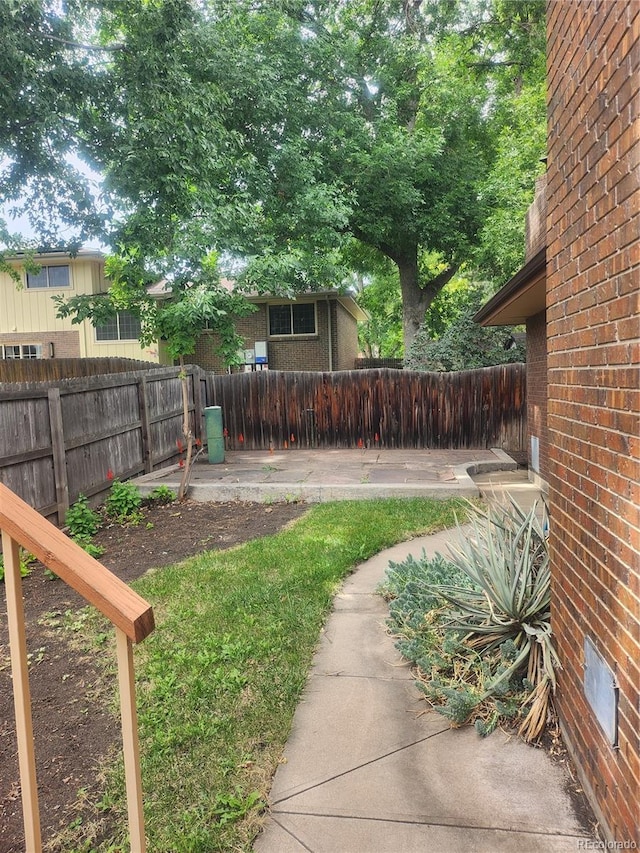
503,551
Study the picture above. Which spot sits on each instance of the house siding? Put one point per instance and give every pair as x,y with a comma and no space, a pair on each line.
593,316
537,395
346,339
30,316
305,352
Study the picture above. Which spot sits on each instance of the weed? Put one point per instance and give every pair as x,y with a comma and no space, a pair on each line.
161,495
123,503
25,560
81,520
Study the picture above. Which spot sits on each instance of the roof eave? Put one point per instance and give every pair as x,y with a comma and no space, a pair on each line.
522,296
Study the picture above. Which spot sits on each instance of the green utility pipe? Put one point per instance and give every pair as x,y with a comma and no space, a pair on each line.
215,435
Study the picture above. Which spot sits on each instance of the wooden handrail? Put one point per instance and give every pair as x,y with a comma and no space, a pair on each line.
131,615
95,583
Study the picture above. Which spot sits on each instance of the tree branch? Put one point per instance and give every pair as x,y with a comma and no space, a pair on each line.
107,47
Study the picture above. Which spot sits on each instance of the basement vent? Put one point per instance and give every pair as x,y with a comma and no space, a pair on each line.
601,690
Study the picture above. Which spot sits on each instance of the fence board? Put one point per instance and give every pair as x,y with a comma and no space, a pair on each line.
384,407
60,439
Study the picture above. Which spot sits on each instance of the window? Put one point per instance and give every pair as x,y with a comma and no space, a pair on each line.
49,277
125,326
13,351
294,319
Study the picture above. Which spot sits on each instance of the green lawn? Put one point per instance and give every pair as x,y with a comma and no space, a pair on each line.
219,679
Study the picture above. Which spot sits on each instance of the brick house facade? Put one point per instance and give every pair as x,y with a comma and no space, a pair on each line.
583,387
593,326
332,345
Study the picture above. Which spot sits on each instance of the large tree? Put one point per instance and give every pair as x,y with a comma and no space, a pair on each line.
273,130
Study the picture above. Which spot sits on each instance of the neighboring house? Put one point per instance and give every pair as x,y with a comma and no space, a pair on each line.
315,331
29,327
589,447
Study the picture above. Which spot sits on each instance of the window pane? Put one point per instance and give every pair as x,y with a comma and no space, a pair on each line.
59,276
129,326
304,319
37,279
279,319
12,352
31,351
108,331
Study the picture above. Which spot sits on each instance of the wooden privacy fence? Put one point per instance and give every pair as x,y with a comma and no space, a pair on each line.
373,408
57,441
132,617
51,369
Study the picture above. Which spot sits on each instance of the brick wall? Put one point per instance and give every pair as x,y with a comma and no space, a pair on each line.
593,312
65,344
309,352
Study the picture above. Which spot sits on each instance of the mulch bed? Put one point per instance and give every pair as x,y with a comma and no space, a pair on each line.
73,728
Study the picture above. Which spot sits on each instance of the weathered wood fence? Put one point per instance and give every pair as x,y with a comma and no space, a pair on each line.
52,369
385,408
59,440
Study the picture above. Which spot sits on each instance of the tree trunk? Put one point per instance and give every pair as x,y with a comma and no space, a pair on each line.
416,299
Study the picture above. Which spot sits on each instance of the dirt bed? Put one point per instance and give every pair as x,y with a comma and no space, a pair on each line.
73,728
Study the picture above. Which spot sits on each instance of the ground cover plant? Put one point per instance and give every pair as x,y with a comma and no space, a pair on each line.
220,678
477,623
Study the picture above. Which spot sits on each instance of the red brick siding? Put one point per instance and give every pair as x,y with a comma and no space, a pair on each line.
309,352
593,313
65,344
537,390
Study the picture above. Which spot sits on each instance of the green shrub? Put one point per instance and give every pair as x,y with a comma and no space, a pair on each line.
478,624
81,520
161,495
123,502
87,545
25,570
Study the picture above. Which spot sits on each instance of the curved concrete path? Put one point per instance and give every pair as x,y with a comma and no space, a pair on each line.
368,768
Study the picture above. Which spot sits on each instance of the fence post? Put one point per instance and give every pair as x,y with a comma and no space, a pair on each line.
21,695
145,426
130,744
59,456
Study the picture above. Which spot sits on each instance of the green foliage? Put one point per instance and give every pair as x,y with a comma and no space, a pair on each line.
215,702
25,560
161,495
89,546
478,625
81,520
123,502
465,345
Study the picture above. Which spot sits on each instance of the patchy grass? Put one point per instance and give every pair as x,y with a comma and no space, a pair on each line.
219,680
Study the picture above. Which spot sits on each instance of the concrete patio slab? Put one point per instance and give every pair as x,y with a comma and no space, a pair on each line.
315,476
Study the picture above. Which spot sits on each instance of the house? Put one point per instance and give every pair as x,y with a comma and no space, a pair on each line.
522,302
314,331
586,387
29,327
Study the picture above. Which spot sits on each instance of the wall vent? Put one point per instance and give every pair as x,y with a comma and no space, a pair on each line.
601,690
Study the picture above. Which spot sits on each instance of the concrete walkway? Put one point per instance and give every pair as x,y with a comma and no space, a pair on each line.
368,768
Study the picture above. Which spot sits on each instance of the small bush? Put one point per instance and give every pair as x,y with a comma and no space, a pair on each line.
161,495
123,502
81,520
25,559
477,625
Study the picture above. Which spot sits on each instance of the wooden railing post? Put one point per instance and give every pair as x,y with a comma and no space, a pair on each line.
21,694
130,743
